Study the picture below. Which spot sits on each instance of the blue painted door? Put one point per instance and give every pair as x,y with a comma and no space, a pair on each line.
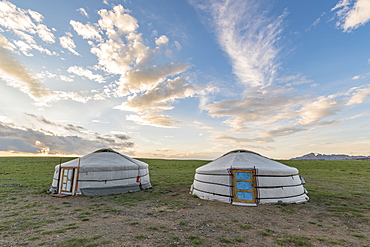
244,188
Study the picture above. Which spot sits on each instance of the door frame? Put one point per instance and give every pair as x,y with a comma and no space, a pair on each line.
73,180
253,190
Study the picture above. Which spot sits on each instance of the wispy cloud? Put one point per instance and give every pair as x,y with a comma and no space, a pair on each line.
267,108
17,76
83,12
86,73
358,95
249,37
352,15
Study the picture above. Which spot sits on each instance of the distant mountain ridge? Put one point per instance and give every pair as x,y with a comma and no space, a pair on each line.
316,156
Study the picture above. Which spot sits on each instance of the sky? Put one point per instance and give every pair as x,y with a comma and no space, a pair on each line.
185,79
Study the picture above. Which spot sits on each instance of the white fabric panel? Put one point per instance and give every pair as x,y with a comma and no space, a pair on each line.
109,175
297,199
101,184
217,179
212,188
211,197
280,192
278,181
114,183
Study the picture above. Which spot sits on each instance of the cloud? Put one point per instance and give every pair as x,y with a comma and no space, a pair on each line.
4,43
161,40
359,95
158,99
321,108
267,108
86,31
117,21
68,127
83,12
68,43
352,16
120,49
294,80
249,37
143,79
28,21
25,139
268,117
260,107
264,136
153,119
86,73
200,125
116,57
17,76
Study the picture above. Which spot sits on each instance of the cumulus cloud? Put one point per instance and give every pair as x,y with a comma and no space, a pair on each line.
116,57
121,51
27,21
86,73
158,99
315,111
86,31
352,16
68,43
117,21
161,40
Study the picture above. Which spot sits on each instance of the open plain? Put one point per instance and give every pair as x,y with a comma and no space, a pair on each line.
338,213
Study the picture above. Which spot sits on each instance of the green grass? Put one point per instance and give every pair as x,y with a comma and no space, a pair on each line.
328,182
292,240
341,187
336,182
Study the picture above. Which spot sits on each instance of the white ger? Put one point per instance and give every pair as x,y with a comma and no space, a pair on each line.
243,177
102,172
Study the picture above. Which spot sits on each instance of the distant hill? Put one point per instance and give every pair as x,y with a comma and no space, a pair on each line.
316,156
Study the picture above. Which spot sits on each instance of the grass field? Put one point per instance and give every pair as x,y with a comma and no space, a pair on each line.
339,205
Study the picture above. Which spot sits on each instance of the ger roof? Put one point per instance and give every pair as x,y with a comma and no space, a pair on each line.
105,159
244,159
